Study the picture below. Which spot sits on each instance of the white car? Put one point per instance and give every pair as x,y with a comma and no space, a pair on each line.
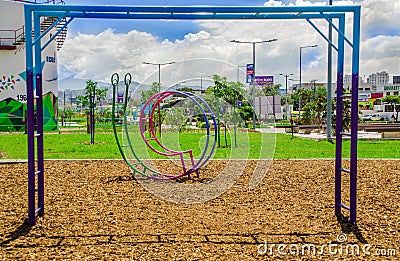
374,117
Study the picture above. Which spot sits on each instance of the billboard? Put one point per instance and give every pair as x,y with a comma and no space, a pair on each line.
265,80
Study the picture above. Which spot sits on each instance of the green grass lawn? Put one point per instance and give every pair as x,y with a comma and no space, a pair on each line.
76,146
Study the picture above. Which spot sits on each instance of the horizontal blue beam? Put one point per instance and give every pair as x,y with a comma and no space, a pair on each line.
194,9
196,16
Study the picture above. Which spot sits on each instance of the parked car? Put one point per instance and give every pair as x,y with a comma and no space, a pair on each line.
374,117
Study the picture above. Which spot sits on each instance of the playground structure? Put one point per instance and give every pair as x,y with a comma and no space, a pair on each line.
147,120
33,14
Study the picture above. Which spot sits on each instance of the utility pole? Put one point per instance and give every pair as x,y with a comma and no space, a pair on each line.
301,48
159,90
286,96
313,81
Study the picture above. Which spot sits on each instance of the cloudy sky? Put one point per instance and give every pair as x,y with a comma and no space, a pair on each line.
97,48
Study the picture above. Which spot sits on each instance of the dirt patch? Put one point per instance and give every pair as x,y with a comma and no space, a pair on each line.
95,210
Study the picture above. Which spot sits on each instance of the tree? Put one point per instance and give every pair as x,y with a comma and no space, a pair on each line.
314,112
89,101
185,89
393,100
271,89
303,95
228,91
175,117
101,94
146,95
320,92
346,116
231,92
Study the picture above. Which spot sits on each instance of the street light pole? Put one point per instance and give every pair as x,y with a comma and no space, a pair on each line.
201,81
238,71
253,79
302,47
159,90
286,100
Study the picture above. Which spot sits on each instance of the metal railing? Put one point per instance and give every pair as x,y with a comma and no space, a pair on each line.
12,37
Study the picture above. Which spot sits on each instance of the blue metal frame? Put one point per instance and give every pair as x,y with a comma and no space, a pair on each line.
33,13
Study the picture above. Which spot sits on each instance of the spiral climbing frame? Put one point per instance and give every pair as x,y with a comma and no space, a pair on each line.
146,121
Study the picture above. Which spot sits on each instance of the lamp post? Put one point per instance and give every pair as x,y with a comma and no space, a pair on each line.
238,70
301,48
207,78
286,99
159,89
253,79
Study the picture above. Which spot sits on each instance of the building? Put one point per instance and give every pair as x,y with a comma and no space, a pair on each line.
12,68
396,79
378,80
391,89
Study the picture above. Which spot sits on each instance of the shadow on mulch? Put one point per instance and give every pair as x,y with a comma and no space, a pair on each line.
140,239
20,231
349,228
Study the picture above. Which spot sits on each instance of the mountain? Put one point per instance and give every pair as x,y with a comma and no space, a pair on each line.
72,84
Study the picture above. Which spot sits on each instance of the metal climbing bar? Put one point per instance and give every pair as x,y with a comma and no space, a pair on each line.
34,119
354,115
33,13
203,106
138,163
339,169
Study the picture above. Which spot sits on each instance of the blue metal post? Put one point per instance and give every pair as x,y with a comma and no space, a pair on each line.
354,116
30,116
329,87
339,118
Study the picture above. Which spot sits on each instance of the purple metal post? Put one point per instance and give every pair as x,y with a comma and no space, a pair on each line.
339,139
40,148
354,115
353,149
339,118
30,128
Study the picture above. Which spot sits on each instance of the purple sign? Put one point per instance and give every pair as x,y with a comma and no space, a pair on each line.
263,80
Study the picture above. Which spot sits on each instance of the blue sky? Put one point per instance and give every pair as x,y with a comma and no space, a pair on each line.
96,48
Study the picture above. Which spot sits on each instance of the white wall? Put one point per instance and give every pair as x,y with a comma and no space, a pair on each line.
12,62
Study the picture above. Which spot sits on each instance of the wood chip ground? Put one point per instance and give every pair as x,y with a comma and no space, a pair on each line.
95,210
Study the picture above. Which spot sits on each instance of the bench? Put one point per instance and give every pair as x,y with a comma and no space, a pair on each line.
306,129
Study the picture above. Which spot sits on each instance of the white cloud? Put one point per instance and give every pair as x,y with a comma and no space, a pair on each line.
273,3
380,17
210,51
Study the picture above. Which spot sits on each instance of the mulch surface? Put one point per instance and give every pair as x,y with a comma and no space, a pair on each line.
95,210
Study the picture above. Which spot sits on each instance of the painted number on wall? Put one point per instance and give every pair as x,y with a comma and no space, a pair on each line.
21,97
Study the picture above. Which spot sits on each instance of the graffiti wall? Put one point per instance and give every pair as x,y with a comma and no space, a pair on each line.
13,80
